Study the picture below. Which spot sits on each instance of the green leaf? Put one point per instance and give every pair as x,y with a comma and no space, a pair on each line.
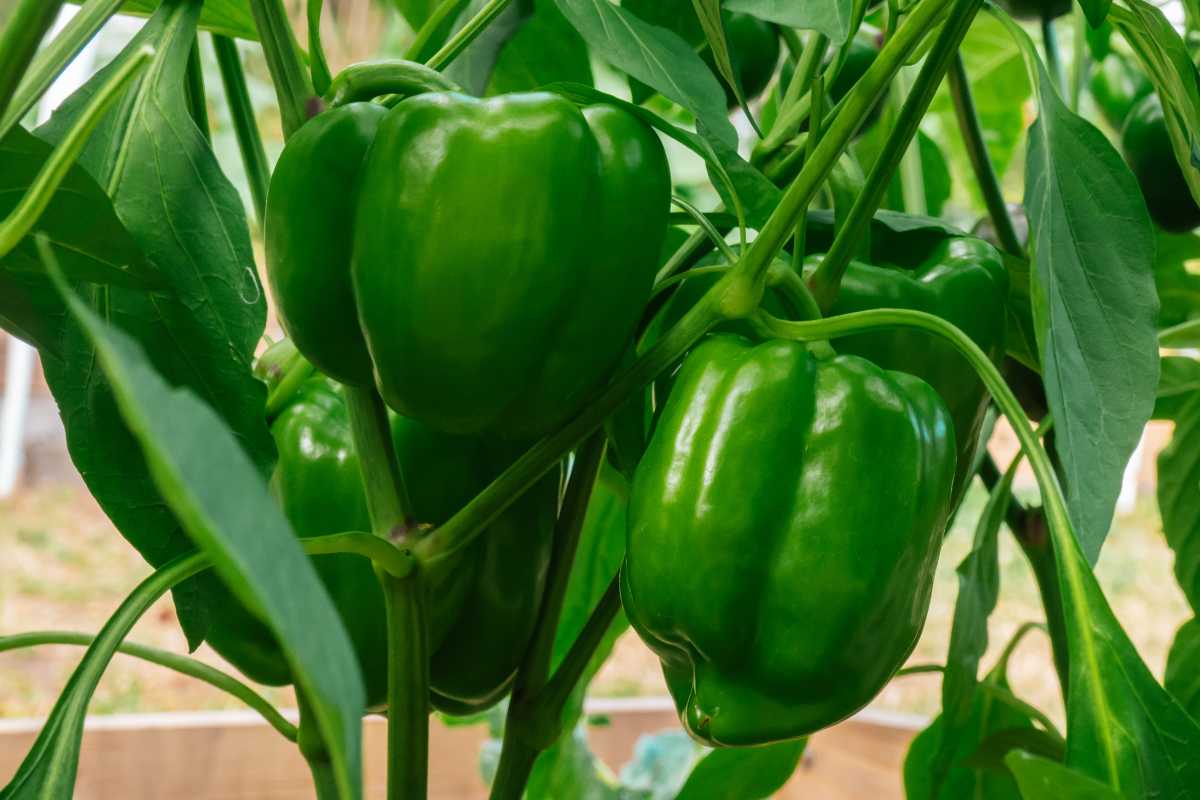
992,750
227,17
830,17
1179,497
743,774
1041,779
1183,667
656,57
473,68
1094,303
544,50
1177,277
186,217
32,311
660,765
1178,383
571,769
225,506
88,239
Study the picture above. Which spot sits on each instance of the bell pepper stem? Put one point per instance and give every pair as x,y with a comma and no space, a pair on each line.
387,494
981,163
827,279
459,41
408,686
241,110
293,88
372,79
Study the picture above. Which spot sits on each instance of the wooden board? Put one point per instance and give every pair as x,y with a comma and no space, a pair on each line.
235,756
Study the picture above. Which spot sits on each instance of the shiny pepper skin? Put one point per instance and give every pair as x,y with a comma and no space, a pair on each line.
1147,147
784,527
503,252
963,281
309,234
483,604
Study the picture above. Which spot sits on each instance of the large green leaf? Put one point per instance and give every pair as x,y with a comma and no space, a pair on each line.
168,191
743,774
545,49
224,504
656,57
89,241
1183,667
830,17
1094,303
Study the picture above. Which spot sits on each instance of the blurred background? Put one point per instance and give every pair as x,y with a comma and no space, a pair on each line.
63,566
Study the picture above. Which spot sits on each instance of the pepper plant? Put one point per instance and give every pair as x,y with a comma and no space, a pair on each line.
523,403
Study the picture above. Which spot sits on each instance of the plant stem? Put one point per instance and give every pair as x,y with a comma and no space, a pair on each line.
197,101
318,64
417,51
52,60
521,745
461,529
408,686
854,109
1079,57
985,173
536,724
1053,59
910,169
31,205
184,665
292,85
19,42
535,667
828,276
459,41
387,494
245,127
313,748
296,372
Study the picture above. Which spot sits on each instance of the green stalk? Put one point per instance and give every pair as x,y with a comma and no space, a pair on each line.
313,748
461,529
521,745
197,101
237,96
1079,57
540,719
294,90
911,171
828,276
854,109
319,65
387,494
184,665
459,41
54,58
408,686
19,41
985,173
296,371
31,205
440,16
1053,59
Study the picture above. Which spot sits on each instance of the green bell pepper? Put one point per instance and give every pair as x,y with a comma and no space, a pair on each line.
960,279
483,604
784,526
1147,147
1117,87
309,229
503,252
